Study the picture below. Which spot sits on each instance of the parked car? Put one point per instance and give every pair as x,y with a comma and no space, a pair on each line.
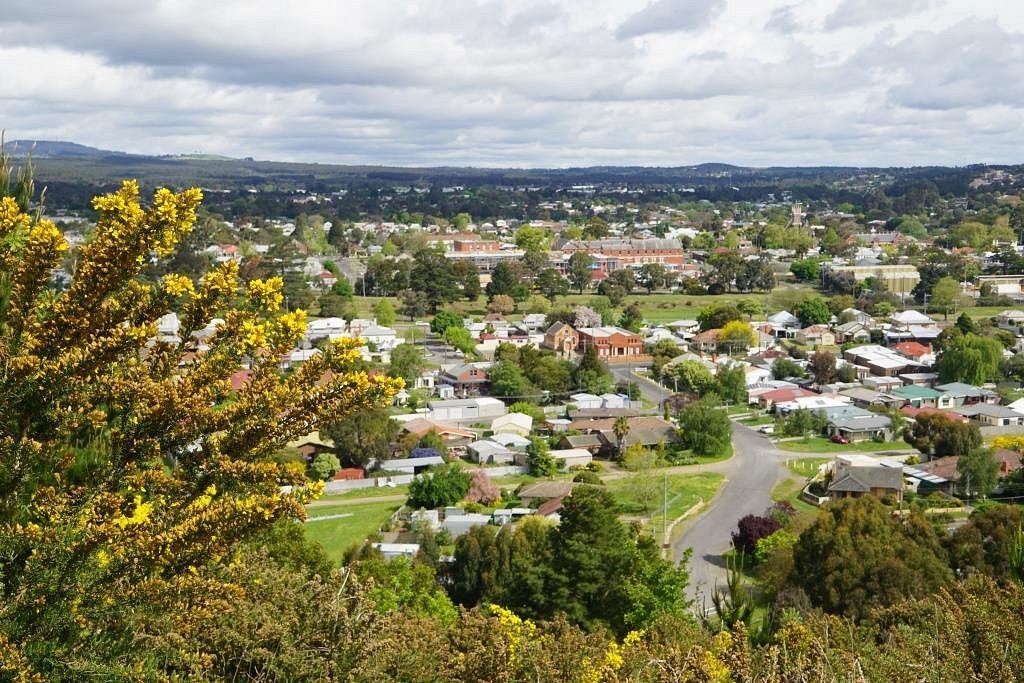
839,438
767,429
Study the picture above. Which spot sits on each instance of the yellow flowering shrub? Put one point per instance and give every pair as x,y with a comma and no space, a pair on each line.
126,481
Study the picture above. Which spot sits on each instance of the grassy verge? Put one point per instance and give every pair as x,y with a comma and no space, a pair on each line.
806,467
638,491
336,533
819,444
369,492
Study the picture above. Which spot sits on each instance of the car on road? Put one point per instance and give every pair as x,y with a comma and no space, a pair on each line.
839,438
767,429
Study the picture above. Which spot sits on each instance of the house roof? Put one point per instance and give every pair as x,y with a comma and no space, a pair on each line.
861,394
988,410
861,479
550,507
861,423
965,390
912,391
783,395
912,349
911,411
583,441
422,425
547,489
912,317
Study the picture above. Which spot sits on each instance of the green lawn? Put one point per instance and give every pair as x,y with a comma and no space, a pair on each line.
757,421
789,489
369,492
819,444
684,491
337,534
806,467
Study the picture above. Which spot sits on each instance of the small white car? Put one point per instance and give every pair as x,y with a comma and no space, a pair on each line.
767,429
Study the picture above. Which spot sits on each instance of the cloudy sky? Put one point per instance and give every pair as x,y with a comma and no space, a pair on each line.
523,83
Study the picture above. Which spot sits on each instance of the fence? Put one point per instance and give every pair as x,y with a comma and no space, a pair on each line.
344,485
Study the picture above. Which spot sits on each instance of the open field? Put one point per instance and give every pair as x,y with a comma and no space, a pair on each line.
819,444
337,527
684,491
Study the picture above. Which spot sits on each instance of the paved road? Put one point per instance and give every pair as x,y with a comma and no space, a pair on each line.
750,476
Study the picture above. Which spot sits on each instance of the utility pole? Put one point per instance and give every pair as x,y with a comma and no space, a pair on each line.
664,514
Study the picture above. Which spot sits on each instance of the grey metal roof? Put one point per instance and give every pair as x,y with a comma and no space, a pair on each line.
862,479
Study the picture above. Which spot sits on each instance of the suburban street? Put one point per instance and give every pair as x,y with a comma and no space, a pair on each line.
750,476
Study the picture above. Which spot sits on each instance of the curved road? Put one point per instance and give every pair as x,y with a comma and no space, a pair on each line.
750,476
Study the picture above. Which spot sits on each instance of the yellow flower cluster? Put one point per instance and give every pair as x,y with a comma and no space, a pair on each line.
140,516
515,629
204,500
252,336
266,293
10,213
611,660
173,215
222,280
176,285
288,329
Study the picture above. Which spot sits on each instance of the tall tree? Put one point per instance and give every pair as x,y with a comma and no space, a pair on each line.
823,367
362,437
979,472
434,276
579,270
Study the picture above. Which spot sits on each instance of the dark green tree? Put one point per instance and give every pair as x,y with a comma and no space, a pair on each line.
434,276
856,556
442,485
362,437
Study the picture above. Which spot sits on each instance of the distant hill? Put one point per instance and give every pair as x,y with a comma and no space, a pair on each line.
58,149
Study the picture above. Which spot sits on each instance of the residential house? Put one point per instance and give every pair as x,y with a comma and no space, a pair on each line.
911,325
919,379
490,452
784,323
514,423
862,397
852,331
879,360
854,481
706,341
562,338
882,383
815,336
466,380
546,490
450,434
589,442
916,351
572,457
855,315
958,394
858,424
988,415
1012,320
918,397
613,344
768,399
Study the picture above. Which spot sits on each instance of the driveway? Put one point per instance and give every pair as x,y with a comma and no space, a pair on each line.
750,476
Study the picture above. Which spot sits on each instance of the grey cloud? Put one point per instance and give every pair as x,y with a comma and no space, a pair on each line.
859,12
782,20
668,16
